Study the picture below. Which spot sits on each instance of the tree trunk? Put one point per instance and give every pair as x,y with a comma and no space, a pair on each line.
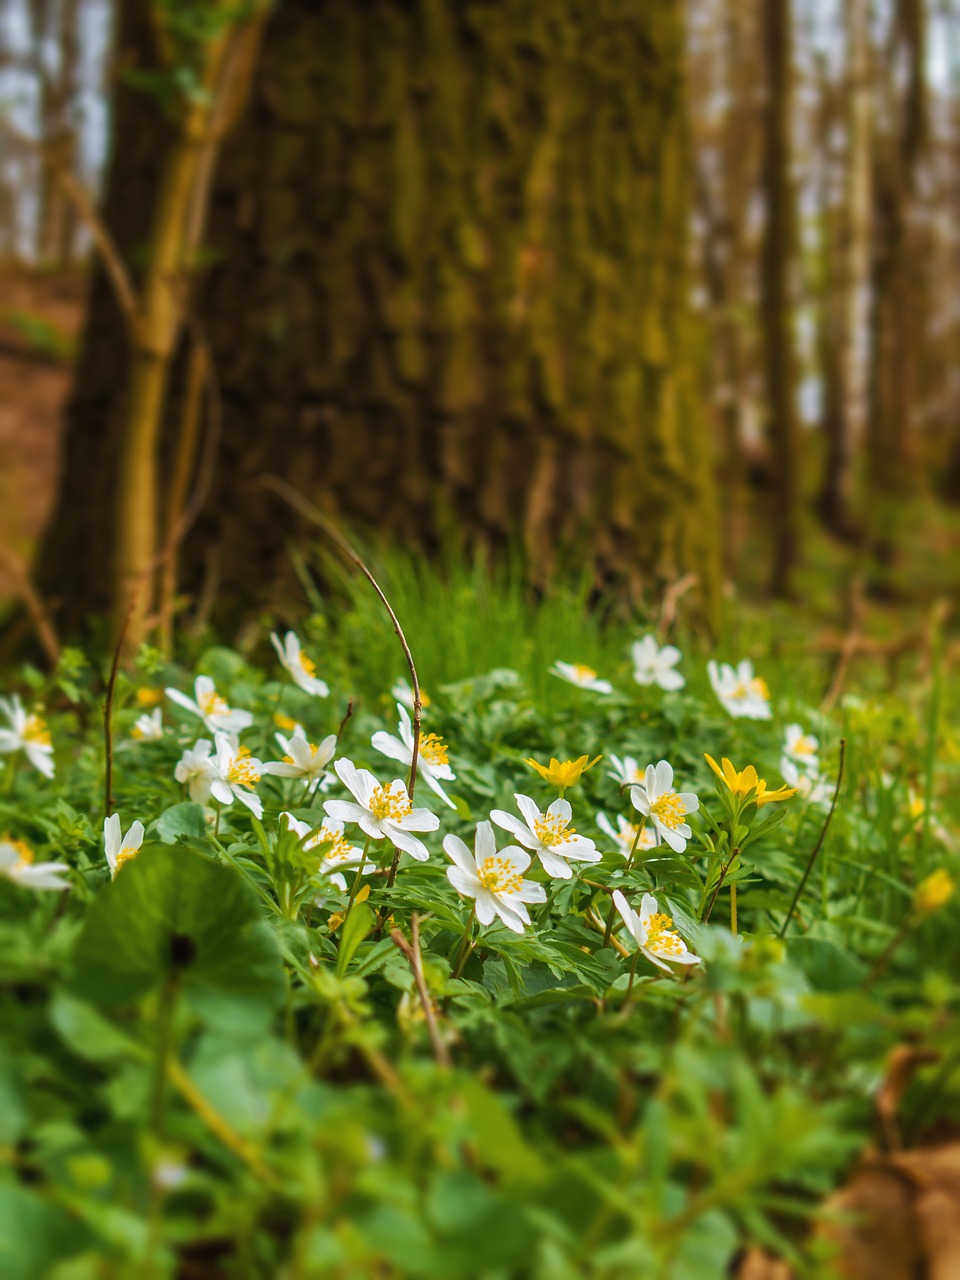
775,311
895,319
449,294
845,421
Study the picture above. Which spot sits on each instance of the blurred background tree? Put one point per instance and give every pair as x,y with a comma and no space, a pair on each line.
446,292
647,286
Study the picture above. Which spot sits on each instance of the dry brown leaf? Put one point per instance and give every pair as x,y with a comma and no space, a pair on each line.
897,1218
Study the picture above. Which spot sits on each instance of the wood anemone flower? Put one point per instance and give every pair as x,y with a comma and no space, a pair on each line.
746,780
565,774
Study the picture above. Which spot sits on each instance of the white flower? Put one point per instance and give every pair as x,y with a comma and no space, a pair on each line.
235,775
120,848
666,808
197,769
801,748
215,712
741,692
549,835
338,857
27,733
149,727
303,759
582,676
17,864
813,787
301,668
494,880
432,759
653,665
383,813
625,834
403,692
652,933
626,770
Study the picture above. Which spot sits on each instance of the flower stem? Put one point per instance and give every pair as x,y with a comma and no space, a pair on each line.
464,944
356,880
733,908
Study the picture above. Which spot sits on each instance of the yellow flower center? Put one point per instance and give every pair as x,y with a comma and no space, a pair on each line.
583,672
339,845
307,664
917,806
669,810
124,856
211,704
149,697
284,722
137,732
433,750
759,688
386,803
553,831
242,772
35,730
803,747
660,938
498,875
22,848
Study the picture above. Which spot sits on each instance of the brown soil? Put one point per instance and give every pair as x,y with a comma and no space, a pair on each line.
40,316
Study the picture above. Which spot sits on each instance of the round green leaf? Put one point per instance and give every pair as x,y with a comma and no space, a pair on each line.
172,913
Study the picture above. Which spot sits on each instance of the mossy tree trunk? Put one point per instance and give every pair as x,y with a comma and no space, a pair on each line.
449,289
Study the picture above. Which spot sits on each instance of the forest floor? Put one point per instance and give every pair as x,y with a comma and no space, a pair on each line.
40,316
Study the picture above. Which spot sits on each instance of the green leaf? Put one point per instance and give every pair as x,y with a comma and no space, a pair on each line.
355,928
173,913
88,1033
181,820
34,1235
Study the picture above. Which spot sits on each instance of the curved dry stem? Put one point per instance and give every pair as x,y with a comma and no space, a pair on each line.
306,508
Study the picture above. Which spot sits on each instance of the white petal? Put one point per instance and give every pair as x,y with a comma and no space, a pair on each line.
486,906
463,882
409,844
390,746
516,828
554,865
458,852
528,808
485,842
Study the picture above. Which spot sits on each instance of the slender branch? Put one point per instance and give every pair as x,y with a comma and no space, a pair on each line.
414,959
819,845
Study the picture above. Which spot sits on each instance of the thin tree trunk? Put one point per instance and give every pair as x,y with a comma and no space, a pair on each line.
846,423
775,308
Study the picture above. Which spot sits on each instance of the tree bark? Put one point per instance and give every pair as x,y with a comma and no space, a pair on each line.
775,312
895,313
845,420
449,294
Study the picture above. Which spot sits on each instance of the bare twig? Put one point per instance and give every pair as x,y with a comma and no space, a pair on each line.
39,614
86,209
819,845
415,960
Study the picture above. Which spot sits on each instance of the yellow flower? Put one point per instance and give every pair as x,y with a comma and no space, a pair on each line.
934,891
743,782
917,804
149,697
564,774
286,723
